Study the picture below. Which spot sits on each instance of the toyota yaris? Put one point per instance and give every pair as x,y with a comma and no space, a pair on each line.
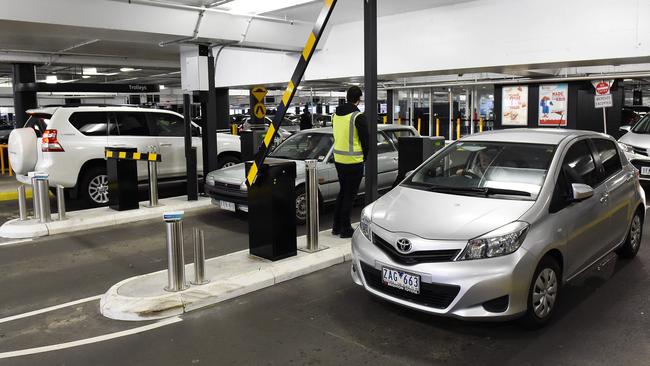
493,225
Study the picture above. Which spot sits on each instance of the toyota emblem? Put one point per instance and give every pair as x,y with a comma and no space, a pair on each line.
404,245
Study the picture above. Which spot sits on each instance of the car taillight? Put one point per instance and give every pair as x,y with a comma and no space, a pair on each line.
50,143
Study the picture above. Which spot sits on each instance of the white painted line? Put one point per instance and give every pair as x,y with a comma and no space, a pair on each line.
12,242
51,308
105,337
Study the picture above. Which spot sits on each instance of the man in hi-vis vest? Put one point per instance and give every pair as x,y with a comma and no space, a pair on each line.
350,150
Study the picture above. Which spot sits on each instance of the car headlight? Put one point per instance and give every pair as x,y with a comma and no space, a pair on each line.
364,223
209,180
502,241
626,148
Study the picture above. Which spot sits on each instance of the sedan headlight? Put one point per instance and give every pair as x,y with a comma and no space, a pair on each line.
502,241
626,148
209,180
364,224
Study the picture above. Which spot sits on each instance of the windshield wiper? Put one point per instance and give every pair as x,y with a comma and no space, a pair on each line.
485,191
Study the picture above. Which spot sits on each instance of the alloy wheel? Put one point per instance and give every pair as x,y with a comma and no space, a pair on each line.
635,232
545,292
301,207
98,189
230,163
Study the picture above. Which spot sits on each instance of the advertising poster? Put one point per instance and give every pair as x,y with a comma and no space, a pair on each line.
553,104
515,106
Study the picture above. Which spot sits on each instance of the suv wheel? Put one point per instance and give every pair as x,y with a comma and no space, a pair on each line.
94,187
543,293
634,236
301,205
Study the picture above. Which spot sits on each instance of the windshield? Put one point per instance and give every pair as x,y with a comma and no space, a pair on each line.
501,169
643,126
304,146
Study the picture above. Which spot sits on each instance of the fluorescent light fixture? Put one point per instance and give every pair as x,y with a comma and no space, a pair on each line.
90,71
162,87
259,6
127,69
85,76
51,79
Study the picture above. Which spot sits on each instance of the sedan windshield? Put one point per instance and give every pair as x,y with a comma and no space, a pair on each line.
303,146
643,126
515,170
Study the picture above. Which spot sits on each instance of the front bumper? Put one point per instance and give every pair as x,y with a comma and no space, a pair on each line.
228,193
461,289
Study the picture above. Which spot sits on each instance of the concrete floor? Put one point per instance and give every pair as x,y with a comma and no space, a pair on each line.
323,318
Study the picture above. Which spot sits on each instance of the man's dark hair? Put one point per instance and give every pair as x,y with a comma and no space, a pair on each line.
354,94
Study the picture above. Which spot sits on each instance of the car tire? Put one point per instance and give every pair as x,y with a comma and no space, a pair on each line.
301,205
634,237
227,160
543,293
93,187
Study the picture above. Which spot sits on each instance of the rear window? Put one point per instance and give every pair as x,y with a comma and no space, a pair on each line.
38,122
90,123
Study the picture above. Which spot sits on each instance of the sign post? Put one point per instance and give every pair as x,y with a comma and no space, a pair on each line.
603,98
259,109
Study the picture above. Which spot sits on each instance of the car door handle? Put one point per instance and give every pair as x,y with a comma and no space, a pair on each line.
604,197
165,145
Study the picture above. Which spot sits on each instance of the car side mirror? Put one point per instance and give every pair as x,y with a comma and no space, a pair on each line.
581,191
625,128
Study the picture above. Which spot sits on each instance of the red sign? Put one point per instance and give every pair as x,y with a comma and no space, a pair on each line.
602,88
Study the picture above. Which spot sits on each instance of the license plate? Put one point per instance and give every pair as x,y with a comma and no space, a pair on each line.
402,280
645,170
229,206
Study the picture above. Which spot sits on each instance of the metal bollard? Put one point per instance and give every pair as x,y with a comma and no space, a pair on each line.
199,258
175,258
22,203
312,207
153,183
43,200
60,201
37,214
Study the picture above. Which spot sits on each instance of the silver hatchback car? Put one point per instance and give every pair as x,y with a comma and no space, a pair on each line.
493,225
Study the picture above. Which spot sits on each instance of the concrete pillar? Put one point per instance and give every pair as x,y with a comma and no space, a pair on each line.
23,100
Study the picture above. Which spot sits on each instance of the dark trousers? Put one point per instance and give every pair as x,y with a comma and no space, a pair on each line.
350,176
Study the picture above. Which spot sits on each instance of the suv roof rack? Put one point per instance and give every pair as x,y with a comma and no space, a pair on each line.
87,105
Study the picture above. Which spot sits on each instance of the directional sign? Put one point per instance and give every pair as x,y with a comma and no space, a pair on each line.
259,110
259,92
603,101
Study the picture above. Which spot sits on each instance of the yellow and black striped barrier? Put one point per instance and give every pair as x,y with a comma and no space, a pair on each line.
124,155
291,89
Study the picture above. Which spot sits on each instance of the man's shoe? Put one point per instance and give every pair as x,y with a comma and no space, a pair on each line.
346,234
335,232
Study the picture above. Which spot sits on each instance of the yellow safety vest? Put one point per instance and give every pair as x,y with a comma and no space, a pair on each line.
347,146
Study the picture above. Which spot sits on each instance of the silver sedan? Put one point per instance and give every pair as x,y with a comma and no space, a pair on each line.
493,225
228,189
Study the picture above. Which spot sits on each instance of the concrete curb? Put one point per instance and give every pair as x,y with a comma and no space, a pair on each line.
96,218
143,298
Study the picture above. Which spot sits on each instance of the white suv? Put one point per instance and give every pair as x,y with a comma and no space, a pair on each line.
68,143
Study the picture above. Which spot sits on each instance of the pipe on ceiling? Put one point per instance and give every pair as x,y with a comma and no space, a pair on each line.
213,10
525,80
195,33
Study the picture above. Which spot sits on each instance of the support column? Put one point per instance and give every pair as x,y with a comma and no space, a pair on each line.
390,106
223,108
431,117
370,80
451,115
23,74
210,147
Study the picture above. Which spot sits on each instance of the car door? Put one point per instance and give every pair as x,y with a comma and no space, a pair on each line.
170,135
584,223
133,130
620,190
387,161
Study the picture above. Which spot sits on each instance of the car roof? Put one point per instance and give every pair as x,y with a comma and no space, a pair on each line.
379,128
550,136
94,108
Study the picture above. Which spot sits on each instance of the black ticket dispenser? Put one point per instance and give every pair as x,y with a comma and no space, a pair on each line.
272,210
414,150
251,141
122,173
